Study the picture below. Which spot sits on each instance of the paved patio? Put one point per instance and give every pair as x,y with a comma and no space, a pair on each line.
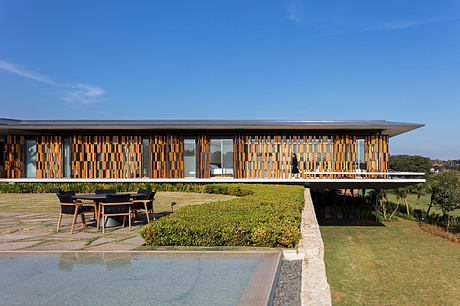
37,232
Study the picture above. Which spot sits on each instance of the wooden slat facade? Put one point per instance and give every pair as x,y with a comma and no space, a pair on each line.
257,156
15,156
106,156
49,157
254,156
203,155
166,156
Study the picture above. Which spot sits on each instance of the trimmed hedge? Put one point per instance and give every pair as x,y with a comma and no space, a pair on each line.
269,216
122,187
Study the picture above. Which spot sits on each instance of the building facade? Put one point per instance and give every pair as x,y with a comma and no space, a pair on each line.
195,148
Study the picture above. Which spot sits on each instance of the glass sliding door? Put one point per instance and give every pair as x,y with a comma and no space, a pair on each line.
360,154
189,158
31,158
227,157
216,158
67,157
145,157
221,158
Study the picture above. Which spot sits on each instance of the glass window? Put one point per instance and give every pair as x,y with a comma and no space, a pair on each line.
216,154
227,157
31,158
360,156
189,158
221,163
145,157
67,157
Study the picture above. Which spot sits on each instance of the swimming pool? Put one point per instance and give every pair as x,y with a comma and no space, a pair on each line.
138,278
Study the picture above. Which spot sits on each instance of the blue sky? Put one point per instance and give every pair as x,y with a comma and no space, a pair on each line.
394,60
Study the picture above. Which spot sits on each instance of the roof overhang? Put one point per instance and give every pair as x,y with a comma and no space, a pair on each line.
384,127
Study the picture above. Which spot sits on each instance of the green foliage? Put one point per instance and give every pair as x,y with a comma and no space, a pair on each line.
122,187
408,163
446,191
268,216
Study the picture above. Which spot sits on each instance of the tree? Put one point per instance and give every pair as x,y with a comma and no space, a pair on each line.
407,163
419,189
398,194
377,197
446,193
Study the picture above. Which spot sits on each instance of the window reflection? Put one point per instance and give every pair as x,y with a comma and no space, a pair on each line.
221,162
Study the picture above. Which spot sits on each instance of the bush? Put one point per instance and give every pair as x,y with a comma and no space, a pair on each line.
268,216
121,187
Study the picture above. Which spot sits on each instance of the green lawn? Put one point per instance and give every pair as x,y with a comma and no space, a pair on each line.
424,203
48,202
393,264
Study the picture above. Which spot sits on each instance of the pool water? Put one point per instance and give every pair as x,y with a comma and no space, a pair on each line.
123,278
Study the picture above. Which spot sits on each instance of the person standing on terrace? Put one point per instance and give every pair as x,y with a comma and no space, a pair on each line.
294,166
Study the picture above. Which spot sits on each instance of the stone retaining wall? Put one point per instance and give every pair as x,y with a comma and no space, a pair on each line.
315,288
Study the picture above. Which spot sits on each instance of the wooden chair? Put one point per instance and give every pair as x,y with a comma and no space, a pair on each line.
145,202
73,208
115,205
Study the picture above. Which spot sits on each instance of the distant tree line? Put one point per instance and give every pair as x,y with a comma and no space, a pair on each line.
444,187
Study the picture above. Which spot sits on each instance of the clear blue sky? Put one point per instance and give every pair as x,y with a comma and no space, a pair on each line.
396,60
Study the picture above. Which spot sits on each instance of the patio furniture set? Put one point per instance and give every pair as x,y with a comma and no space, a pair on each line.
105,204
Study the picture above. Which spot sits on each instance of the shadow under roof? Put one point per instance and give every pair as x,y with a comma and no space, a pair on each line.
385,127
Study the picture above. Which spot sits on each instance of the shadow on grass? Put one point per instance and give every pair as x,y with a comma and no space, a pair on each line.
349,222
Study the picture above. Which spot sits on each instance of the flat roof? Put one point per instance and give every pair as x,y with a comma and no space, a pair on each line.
385,127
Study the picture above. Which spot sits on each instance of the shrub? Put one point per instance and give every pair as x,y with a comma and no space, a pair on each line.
122,187
268,216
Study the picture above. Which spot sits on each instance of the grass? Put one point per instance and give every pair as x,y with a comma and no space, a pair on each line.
393,264
48,202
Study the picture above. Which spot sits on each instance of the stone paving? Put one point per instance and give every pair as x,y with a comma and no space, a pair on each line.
37,232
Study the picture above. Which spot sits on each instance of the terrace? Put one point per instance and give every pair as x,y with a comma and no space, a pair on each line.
313,180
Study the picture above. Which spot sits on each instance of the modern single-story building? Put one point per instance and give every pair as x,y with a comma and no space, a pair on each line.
346,153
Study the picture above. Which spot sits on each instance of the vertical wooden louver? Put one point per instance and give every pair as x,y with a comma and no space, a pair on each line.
15,156
254,156
377,153
106,156
257,156
203,155
49,157
166,156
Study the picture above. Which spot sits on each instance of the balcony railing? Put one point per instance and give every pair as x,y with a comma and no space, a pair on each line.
362,174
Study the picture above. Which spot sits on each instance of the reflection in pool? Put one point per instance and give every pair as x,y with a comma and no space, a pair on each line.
123,278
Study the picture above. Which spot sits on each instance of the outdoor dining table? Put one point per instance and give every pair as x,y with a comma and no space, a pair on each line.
100,197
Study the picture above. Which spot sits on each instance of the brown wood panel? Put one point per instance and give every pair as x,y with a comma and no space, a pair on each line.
166,156
49,157
259,156
15,156
203,151
106,156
